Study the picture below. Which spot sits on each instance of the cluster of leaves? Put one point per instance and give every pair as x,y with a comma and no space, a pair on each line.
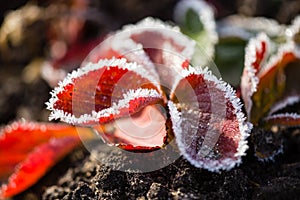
123,77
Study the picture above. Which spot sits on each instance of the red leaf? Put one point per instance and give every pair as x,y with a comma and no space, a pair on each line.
37,164
21,143
104,91
208,123
263,80
256,52
143,131
159,47
166,47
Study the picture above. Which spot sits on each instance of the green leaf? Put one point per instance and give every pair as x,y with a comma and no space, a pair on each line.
196,20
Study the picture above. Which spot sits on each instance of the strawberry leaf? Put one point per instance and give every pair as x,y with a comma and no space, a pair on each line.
104,91
36,164
263,80
28,150
209,127
256,52
142,131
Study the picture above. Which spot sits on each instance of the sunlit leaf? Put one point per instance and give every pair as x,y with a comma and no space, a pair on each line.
28,150
102,92
37,163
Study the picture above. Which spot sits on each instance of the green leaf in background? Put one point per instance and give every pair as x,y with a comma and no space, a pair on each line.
229,58
192,26
196,19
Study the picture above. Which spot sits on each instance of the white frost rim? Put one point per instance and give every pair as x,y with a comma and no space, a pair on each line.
250,57
284,103
283,115
173,32
290,47
113,110
249,77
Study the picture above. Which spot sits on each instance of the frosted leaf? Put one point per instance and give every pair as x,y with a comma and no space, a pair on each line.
246,27
208,123
97,92
263,79
255,56
156,45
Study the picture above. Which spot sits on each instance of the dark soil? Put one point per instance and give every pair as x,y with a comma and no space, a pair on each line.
81,176
86,178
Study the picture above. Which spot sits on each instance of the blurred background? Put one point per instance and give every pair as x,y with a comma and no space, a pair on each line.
38,33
